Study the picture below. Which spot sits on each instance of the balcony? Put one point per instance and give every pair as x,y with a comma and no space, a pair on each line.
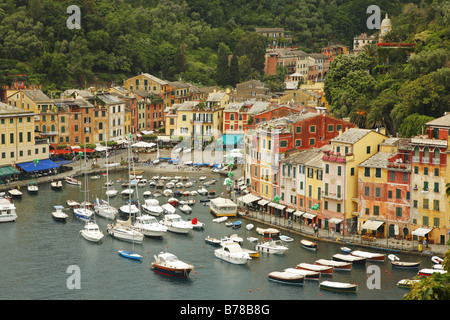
331,195
436,161
416,158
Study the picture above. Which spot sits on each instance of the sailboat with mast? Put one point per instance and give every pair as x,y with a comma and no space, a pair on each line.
123,230
83,211
103,207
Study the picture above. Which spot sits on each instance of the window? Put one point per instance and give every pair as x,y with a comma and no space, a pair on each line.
390,194
436,222
378,172
405,176
326,189
425,171
352,171
366,172
425,203
367,191
298,143
283,143
392,175
398,193
416,170
425,221
376,210
339,192
436,205
312,129
338,207
377,192
312,141
330,128
436,187
436,172
338,127
368,149
298,129
327,168
339,171
425,185
398,211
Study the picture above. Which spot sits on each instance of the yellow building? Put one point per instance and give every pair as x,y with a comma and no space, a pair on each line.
340,180
150,83
127,121
17,139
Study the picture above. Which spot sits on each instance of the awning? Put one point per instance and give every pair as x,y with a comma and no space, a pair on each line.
45,164
371,225
308,215
335,220
8,171
421,232
298,213
87,150
61,162
280,206
60,151
263,202
289,210
272,204
248,198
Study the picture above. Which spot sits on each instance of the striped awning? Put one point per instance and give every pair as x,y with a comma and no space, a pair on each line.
8,171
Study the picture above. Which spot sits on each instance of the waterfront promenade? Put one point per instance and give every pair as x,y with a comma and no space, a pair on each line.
388,245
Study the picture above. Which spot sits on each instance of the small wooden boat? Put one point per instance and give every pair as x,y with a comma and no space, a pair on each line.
338,286
236,224
130,255
286,277
368,255
407,283
349,258
316,268
402,264
310,245
336,265
73,204
308,274
212,240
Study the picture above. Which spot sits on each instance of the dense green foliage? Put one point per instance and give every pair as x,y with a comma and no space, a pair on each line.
119,38
394,88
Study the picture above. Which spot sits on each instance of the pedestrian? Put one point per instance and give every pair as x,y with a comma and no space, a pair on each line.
425,244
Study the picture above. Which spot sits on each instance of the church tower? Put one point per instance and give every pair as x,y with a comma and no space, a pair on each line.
385,27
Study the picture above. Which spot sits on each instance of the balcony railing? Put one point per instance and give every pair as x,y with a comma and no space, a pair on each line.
437,161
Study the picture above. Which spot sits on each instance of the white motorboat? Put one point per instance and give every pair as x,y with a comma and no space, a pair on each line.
32,187
175,223
194,193
15,193
127,192
191,202
157,193
59,215
147,194
202,191
234,237
407,283
73,181
249,226
186,209
7,211
168,193
170,185
57,185
128,209
173,201
123,230
111,192
252,239
168,264
73,204
426,272
155,178
202,178
149,226
196,224
104,209
179,185
151,206
188,184
142,183
269,245
212,240
168,208
91,232
232,252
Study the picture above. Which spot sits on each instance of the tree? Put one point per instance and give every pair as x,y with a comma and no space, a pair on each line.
223,69
413,125
234,71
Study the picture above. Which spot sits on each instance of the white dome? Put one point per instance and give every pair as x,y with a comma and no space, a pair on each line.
386,22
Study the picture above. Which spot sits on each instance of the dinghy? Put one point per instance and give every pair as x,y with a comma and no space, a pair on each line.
338,286
368,255
316,268
130,255
286,277
395,261
308,274
310,245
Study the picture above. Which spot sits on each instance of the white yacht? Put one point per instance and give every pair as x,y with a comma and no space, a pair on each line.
149,226
168,208
232,252
91,232
123,230
151,206
7,211
176,224
269,245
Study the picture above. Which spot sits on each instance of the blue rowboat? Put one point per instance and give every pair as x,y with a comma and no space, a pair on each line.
236,224
130,255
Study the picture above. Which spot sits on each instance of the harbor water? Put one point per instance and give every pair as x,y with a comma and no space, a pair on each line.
39,256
